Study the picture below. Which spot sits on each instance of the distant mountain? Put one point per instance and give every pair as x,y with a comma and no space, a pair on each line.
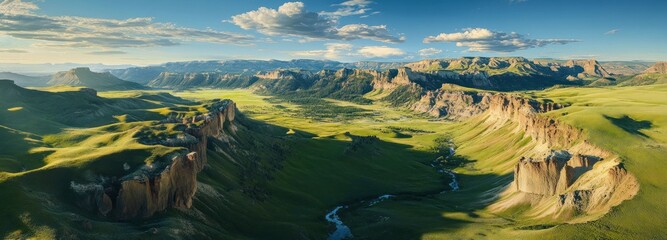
659,68
143,75
511,73
24,80
98,81
656,74
587,69
174,80
626,68
49,69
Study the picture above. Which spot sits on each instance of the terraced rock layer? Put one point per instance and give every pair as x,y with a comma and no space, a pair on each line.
162,186
564,177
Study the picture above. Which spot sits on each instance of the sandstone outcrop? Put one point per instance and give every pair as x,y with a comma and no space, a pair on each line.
591,68
659,67
165,184
564,176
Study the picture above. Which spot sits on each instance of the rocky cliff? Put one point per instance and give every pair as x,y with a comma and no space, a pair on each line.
587,68
171,183
659,67
506,74
564,176
200,79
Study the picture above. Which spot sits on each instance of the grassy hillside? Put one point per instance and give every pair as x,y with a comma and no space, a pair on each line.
632,122
86,78
291,162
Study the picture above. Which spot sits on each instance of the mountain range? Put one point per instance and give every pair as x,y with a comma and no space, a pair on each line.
490,73
86,78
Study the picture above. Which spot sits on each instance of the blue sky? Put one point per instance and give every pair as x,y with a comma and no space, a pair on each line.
148,32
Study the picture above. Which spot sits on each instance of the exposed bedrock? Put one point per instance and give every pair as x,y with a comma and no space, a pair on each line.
564,176
166,184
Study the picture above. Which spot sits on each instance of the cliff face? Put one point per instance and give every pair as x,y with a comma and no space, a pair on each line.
170,184
566,177
187,80
452,104
659,67
586,68
563,176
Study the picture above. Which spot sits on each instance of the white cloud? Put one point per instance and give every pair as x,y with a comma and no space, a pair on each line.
292,19
485,40
338,51
108,52
612,32
332,51
377,33
350,8
13,51
17,7
380,51
426,52
18,20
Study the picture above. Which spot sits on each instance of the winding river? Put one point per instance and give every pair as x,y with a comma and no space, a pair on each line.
343,231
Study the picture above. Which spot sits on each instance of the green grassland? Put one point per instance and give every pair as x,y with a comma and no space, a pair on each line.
634,117
300,167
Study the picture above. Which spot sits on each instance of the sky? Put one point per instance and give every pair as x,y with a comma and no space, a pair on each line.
144,32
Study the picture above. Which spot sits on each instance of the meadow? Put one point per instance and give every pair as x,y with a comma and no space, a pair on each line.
323,167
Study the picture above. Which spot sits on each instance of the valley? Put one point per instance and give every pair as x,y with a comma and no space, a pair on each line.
399,164
337,120
351,153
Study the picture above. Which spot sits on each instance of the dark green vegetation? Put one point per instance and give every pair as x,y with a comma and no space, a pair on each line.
319,109
295,154
24,80
260,182
630,125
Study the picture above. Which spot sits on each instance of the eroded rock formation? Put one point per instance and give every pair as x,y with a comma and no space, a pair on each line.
564,176
166,184
659,67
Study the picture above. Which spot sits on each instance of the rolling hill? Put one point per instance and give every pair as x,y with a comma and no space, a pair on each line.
98,81
24,80
656,74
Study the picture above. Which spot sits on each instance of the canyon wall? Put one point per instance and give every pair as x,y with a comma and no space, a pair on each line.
166,184
564,176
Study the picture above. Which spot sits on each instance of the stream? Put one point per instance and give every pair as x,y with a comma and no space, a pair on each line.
343,231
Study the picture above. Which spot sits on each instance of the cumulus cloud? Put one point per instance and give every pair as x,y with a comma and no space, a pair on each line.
350,8
15,7
380,51
332,51
612,32
292,19
13,51
337,51
485,40
19,20
426,52
110,52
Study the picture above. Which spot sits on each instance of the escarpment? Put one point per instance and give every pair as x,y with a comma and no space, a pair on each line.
563,177
170,183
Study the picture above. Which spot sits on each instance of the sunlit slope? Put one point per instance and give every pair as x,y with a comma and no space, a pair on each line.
628,121
262,181
632,122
